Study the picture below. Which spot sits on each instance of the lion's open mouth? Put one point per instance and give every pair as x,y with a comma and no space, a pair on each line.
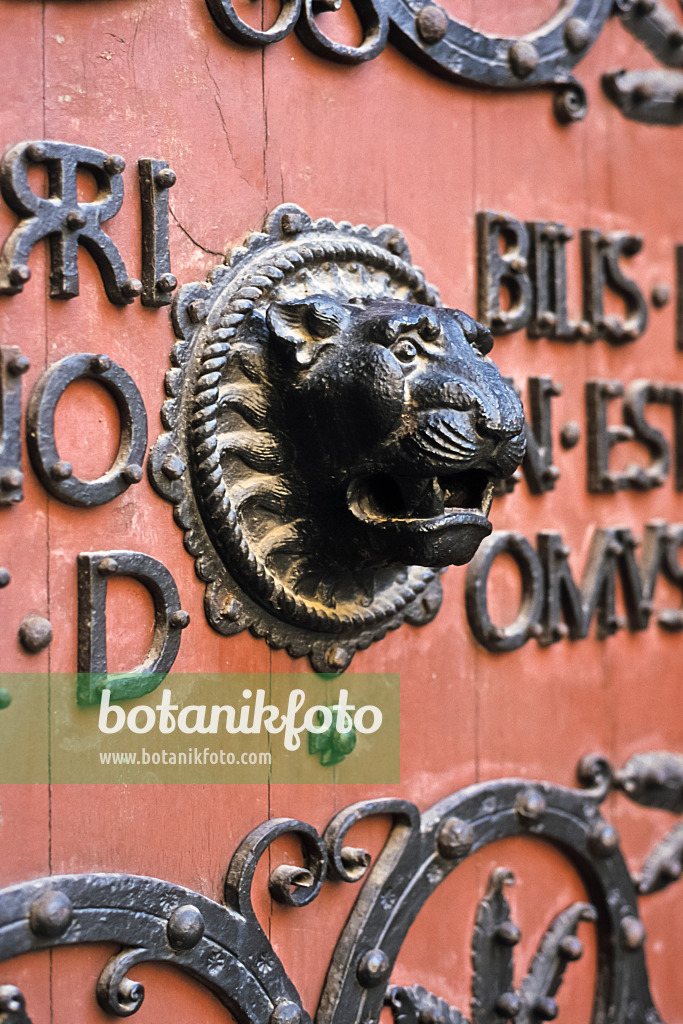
423,501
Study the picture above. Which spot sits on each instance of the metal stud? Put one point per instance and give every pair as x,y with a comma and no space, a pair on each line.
185,927
51,914
35,634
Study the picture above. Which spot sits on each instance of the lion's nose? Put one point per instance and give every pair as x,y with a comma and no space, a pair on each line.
499,415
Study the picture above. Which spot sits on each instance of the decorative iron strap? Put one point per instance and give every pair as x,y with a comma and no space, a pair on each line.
225,948
426,33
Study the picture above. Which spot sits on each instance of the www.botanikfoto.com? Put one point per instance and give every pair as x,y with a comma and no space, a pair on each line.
193,755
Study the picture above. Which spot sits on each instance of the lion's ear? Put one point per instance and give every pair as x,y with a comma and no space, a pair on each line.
308,325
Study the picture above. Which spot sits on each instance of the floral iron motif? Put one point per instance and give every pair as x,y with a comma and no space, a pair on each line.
225,948
333,437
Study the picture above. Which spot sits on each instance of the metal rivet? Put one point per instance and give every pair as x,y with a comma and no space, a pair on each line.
167,283
604,839
11,480
292,223
185,927
374,968
545,1008
5,698
11,999
285,1012
197,311
644,92
5,578
114,165
35,634
518,265
61,470
18,365
661,293
75,220
36,152
571,948
576,35
508,934
570,434
165,178
530,805
107,567
100,364
431,23
132,474
337,659
631,934
51,914
173,467
547,321
131,288
523,57
455,838
509,1005
19,275
179,619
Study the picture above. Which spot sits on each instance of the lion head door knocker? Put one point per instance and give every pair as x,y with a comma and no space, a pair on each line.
333,437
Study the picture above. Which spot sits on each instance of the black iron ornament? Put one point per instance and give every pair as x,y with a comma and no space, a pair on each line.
63,219
333,437
224,947
428,34
13,365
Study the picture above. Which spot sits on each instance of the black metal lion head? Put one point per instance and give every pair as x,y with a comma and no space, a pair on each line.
334,437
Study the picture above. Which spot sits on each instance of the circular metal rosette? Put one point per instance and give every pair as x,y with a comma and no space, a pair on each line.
291,385
545,56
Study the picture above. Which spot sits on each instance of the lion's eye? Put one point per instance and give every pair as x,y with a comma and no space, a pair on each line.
404,351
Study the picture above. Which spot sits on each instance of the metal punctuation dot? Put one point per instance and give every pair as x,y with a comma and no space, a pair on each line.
531,805
35,634
5,698
5,577
631,934
51,914
455,838
570,435
185,927
661,294
431,23
36,152
132,474
374,968
179,619
285,1012
61,470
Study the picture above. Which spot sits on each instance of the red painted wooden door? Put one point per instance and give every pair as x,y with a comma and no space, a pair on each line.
246,129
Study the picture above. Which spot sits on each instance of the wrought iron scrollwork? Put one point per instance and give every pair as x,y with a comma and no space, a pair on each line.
225,948
546,57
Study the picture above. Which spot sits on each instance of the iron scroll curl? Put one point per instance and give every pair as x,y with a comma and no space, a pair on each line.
225,949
